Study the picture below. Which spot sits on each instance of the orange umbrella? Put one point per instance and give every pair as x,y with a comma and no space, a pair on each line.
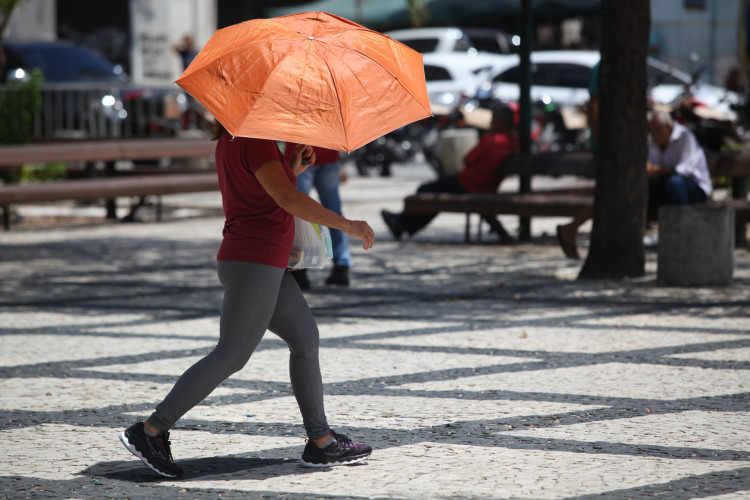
311,78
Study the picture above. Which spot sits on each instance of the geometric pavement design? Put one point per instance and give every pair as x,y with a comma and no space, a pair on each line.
474,371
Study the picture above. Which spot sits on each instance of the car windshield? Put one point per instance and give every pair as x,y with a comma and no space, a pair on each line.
435,73
662,74
421,45
488,44
551,74
65,63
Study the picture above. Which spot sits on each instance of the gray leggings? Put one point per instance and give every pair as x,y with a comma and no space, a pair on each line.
257,298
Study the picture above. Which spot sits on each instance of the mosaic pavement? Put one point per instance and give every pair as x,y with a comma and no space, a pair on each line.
474,371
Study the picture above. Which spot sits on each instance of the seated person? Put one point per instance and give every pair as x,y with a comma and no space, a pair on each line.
479,175
677,168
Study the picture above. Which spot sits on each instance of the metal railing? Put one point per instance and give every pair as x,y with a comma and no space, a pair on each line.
101,111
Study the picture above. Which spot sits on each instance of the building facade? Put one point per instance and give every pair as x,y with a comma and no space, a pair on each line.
140,35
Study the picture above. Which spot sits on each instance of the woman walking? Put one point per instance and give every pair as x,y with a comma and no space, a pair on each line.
260,198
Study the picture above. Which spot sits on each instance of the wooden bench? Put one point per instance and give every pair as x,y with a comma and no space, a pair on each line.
527,203
110,150
566,202
108,188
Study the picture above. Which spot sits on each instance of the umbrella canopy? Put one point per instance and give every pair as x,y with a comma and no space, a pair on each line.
311,78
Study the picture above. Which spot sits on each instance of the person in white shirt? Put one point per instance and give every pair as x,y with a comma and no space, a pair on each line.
677,167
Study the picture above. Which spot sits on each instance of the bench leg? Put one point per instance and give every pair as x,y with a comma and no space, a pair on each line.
467,229
109,171
133,209
6,217
111,206
524,222
739,191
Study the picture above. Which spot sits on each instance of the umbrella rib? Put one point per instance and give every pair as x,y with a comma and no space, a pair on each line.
398,80
348,47
341,114
394,76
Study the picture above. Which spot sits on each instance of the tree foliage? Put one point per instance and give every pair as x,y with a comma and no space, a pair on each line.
418,13
6,10
18,107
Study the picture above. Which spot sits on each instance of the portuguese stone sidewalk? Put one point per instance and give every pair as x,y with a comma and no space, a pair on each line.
474,370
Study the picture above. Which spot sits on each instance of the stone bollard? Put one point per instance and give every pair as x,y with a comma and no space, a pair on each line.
696,245
453,146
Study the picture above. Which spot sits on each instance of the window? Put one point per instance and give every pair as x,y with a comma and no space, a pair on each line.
508,76
435,73
551,75
421,45
562,75
496,45
64,63
657,76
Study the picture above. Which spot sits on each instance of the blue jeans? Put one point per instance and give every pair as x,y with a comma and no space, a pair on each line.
673,190
683,191
325,178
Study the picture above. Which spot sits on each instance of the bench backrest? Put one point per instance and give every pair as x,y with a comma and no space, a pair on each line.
582,164
553,164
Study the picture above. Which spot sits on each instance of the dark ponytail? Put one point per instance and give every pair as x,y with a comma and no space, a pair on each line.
216,130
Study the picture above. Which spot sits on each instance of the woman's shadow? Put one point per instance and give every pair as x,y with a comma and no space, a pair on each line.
134,471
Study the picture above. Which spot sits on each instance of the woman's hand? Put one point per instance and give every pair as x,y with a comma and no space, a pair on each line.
302,157
362,231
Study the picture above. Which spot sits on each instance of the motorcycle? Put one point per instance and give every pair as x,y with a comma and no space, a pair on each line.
398,146
715,131
716,128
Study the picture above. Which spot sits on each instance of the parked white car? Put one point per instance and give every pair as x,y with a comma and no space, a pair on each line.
446,40
563,78
453,77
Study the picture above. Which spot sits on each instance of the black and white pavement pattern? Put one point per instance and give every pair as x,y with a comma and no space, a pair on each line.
474,371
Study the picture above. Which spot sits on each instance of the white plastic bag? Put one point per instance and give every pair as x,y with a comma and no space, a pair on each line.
311,246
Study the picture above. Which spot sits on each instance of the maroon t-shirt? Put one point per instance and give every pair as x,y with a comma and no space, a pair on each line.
256,229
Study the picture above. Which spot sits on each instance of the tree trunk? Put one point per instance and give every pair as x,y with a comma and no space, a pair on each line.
616,249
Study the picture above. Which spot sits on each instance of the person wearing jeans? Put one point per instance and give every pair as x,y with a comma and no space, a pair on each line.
677,167
325,176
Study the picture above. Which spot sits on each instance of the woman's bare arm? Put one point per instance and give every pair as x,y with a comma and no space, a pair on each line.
274,180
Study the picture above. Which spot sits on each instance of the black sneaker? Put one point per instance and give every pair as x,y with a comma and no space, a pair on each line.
339,276
342,452
391,220
153,451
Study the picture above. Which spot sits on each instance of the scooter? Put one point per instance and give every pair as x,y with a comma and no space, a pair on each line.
398,146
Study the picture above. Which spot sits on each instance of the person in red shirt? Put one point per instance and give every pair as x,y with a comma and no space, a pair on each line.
479,175
260,201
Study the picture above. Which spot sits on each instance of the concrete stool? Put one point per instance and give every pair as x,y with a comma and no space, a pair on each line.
453,146
696,245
